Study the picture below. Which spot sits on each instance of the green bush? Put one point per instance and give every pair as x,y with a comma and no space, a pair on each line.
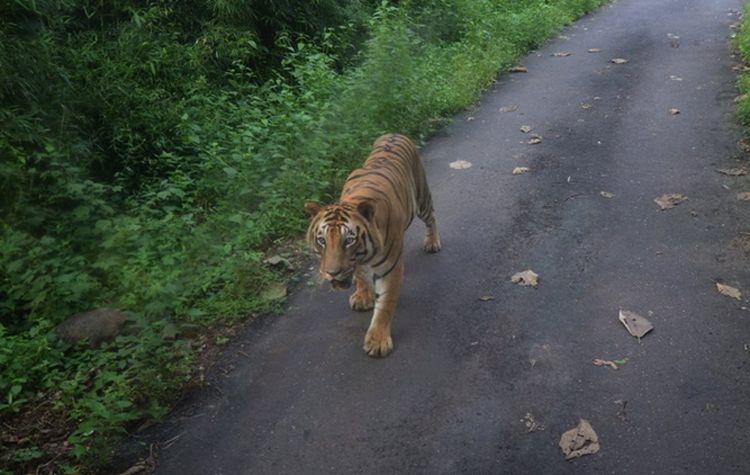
742,42
151,152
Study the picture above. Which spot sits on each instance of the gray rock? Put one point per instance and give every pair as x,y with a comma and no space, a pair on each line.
99,325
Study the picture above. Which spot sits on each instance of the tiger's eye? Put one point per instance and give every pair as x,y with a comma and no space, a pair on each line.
321,241
350,240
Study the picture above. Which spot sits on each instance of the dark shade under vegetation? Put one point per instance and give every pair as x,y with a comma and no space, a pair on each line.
152,151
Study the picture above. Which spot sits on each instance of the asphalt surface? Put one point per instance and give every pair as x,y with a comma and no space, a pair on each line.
300,396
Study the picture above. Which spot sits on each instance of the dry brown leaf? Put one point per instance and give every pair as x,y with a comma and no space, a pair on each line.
579,441
525,278
486,298
636,325
460,165
674,111
607,194
535,139
519,170
618,60
599,362
670,200
525,129
744,196
595,50
508,109
729,291
518,69
561,54
732,171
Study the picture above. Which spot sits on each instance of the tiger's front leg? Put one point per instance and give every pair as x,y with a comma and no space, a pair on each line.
378,341
363,298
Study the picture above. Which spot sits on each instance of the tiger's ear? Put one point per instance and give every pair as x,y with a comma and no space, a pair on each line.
366,209
313,209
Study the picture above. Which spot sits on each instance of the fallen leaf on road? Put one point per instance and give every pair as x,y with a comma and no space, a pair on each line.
618,60
525,129
744,196
460,165
561,54
518,69
675,78
535,139
636,325
673,36
670,200
586,106
486,298
729,291
595,50
532,425
674,111
508,109
621,362
607,194
519,170
579,441
525,278
599,362
732,171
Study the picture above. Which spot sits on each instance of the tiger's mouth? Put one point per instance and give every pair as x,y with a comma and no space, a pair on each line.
341,284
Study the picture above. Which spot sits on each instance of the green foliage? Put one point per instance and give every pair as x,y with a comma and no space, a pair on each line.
151,151
742,42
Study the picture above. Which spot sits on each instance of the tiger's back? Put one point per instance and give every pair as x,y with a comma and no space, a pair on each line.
394,180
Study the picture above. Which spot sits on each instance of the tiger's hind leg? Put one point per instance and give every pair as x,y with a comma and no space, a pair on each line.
427,215
363,298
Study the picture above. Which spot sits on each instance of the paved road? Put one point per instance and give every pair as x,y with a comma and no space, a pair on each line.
465,372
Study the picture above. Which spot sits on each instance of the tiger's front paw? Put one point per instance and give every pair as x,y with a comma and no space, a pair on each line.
378,343
361,301
431,244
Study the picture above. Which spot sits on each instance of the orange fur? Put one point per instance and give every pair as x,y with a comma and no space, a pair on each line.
361,237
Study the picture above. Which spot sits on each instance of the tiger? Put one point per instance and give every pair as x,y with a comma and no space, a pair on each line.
361,236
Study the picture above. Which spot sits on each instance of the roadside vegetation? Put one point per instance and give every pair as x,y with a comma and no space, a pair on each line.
742,42
152,152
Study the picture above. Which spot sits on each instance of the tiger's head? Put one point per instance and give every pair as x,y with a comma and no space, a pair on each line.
342,235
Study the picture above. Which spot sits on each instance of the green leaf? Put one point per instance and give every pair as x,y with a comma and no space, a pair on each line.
231,172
